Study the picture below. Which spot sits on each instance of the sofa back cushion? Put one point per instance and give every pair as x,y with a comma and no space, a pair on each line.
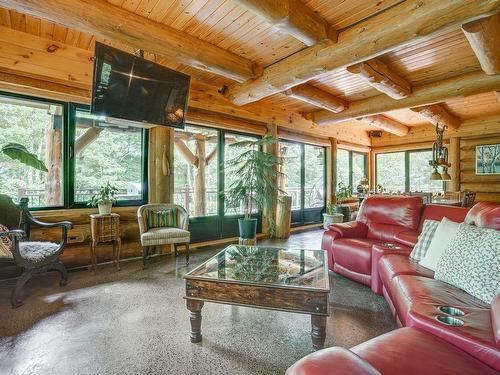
438,211
387,215
484,215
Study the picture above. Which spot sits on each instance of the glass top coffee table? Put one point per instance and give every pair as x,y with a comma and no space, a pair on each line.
262,277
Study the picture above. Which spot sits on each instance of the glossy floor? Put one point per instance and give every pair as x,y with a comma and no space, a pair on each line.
135,322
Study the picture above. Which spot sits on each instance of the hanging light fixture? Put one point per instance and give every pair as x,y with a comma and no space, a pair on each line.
440,156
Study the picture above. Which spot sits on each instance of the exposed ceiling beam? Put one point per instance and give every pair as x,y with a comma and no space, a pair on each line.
317,97
387,124
105,20
460,86
294,18
382,78
437,115
405,23
484,38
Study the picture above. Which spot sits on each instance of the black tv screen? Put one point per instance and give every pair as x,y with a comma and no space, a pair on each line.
131,88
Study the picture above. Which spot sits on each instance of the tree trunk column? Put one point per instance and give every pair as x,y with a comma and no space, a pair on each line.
53,158
199,184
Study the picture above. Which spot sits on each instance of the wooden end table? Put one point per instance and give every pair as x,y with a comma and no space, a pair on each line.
287,280
105,228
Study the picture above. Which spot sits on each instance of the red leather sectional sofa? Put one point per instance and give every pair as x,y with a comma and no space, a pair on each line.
358,250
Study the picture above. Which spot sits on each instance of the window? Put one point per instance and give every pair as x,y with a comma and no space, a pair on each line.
391,172
38,126
314,184
406,171
351,168
290,182
195,170
229,154
104,152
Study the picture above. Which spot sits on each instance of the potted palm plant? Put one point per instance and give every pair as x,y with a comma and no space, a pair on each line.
104,198
255,188
344,193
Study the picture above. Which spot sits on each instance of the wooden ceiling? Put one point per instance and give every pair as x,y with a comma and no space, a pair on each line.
230,26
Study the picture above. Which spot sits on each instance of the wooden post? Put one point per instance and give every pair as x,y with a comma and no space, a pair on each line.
161,154
199,183
272,130
454,158
331,170
53,159
371,169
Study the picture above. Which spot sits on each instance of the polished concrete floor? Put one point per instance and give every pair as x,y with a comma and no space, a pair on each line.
135,322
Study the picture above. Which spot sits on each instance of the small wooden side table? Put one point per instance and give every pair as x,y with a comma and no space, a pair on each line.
105,228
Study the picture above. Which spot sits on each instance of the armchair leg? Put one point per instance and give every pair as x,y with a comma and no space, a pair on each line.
187,253
15,299
176,252
144,256
59,267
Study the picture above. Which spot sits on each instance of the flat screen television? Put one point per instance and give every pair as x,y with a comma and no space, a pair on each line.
128,87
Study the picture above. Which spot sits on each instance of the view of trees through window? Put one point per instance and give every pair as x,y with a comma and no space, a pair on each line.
38,126
420,172
290,181
343,172
195,170
391,172
314,182
351,168
107,153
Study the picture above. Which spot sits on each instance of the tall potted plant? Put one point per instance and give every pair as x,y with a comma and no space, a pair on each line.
344,193
256,186
104,198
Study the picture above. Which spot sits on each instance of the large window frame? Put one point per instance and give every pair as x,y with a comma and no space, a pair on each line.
351,171
406,163
68,160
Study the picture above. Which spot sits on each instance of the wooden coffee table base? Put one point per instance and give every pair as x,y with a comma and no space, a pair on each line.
318,325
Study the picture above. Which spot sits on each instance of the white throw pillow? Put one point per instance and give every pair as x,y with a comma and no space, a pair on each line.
445,232
424,239
471,262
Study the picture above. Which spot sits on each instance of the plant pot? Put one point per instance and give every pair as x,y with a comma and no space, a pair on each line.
248,228
105,208
332,219
345,211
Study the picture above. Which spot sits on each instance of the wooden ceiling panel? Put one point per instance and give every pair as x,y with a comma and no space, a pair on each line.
345,85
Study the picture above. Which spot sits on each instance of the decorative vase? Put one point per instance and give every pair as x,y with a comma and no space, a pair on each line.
345,211
248,228
332,219
105,208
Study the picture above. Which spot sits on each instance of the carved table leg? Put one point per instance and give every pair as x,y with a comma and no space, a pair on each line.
318,331
195,318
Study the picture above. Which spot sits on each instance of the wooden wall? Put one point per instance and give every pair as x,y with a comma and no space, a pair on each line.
486,186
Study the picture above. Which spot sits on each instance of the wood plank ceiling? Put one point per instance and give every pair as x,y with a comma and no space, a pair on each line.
228,25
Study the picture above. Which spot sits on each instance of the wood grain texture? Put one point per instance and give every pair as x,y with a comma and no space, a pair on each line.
317,97
387,124
437,115
369,39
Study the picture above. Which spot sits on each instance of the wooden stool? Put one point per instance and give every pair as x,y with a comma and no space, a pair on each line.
105,228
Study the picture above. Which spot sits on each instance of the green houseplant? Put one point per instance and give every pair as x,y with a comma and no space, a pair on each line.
104,198
331,216
344,193
255,186
17,151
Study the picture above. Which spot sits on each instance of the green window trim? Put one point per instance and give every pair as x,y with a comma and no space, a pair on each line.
351,169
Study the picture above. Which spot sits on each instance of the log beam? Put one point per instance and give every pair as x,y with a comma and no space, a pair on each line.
86,139
497,93
105,20
387,124
438,116
294,18
484,38
460,86
317,97
186,152
382,78
401,25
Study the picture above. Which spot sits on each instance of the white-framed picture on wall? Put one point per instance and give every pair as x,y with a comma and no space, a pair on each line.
488,159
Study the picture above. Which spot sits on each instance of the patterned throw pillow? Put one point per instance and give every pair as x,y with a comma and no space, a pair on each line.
472,262
5,244
160,218
424,240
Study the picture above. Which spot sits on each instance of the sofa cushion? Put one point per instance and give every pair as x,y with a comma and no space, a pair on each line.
495,318
406,290
412,352
354,254
471,262
484,215
445,232
438,211
424,239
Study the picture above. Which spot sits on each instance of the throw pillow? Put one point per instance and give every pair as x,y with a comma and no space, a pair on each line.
159,218
424,239
472,262
5,244
445,232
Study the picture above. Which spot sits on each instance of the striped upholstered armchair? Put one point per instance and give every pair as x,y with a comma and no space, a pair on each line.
163,224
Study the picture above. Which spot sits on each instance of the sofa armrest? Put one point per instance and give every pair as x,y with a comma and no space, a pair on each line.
352,229
495,318
332,361
407,237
